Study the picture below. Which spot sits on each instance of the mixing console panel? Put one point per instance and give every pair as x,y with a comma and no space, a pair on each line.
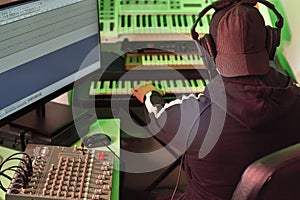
64,173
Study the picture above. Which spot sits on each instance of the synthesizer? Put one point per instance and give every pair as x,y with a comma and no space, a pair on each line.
163,61
126,87
63,173
155,34
152,20
140,20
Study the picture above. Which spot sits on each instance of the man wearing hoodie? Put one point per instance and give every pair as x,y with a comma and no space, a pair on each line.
247,111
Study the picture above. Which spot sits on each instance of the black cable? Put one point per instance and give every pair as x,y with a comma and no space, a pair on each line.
25,174
8,177
1,185
28,162
1,159
11,159
15,154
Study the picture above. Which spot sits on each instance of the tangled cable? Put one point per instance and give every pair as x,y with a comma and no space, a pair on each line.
22,171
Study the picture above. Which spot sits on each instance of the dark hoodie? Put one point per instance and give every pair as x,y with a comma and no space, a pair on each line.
228,128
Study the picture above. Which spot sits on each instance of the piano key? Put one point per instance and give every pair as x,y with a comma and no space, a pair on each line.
135,83
203,25
107,86
138,21
169,86
174,21
133,60
176,88
191,20
149,20
193,86
158,20
114,87
188,86
181,60
200,84
123,21
180,88
180,20
165,86
118,87
128,88
129,21
125,87
105,89
172,86
110,85
166,21
160,23
168,60
181,27
94,87
127,24
185,21
141,24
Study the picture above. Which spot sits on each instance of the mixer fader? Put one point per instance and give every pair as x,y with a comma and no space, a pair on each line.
64,173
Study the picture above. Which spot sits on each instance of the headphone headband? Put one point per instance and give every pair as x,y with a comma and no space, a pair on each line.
279,23
225,3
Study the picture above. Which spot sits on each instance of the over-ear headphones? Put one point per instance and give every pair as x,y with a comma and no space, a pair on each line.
272,34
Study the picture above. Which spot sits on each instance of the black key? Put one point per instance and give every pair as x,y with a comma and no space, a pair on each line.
179,20
165,20
185,21
158,20
122,21
129,20
149,21
196,84
102,85
138,21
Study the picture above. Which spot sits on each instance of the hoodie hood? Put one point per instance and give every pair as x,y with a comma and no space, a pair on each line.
254,100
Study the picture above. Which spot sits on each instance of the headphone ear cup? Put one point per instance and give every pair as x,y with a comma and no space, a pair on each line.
208,44
272,41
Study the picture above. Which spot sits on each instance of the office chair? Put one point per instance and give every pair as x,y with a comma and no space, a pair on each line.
273,177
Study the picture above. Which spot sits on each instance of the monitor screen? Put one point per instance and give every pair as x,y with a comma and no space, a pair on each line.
45,45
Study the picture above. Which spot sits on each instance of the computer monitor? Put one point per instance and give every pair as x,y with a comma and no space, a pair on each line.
45,47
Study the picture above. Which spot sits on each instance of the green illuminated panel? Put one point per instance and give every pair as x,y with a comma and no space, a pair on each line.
142,20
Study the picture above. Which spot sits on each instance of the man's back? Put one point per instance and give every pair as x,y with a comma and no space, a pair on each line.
261,117
248,111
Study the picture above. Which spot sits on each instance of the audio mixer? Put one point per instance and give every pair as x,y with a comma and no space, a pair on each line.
63,173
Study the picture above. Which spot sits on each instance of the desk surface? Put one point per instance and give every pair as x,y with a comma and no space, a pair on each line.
110,127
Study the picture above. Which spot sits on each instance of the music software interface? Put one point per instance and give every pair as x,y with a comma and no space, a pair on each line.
44,45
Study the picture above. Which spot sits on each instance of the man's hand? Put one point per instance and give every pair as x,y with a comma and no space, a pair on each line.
141,90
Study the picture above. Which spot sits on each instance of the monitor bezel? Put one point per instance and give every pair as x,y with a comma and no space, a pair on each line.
65,89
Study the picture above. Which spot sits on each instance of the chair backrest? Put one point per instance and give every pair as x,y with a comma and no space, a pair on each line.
275,176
